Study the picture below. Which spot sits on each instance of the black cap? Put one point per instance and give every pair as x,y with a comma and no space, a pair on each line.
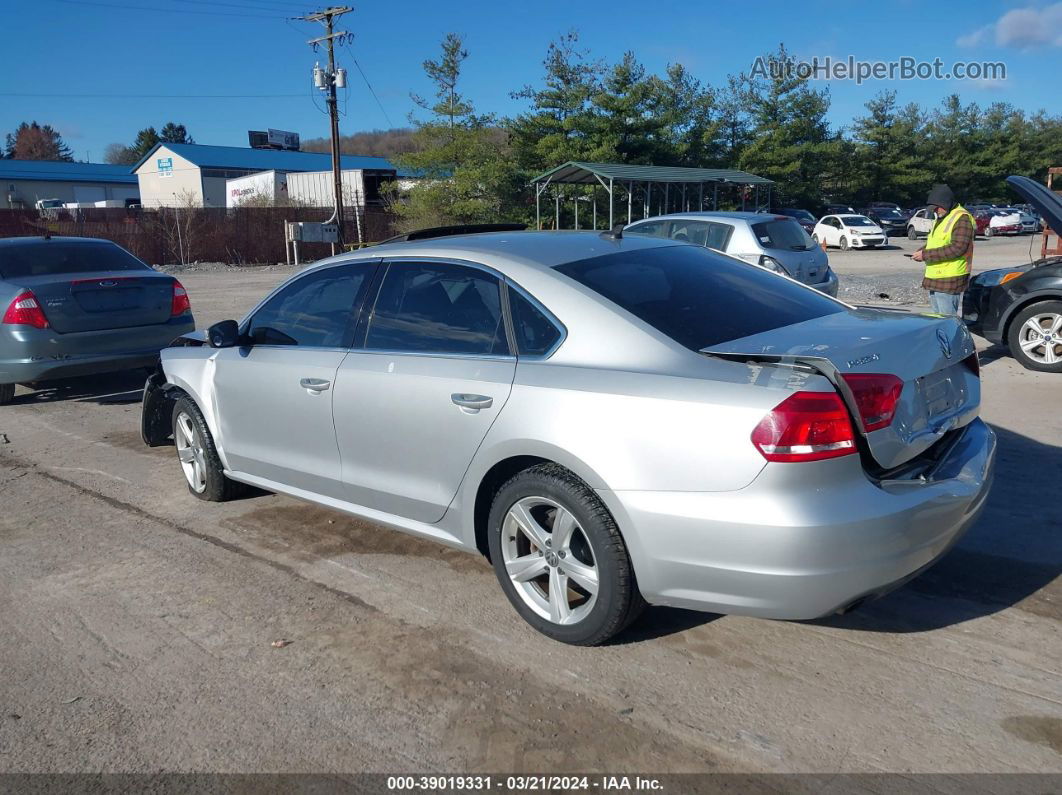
941,196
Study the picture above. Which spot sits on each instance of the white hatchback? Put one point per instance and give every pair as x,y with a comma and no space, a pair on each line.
848,231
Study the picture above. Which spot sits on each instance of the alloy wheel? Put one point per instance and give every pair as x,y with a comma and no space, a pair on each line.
190,452
1040,338
549,560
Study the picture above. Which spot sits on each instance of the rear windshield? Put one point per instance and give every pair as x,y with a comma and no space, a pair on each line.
698,297
782,234
53,258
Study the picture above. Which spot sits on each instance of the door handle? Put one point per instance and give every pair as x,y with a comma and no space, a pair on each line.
471,401
315,384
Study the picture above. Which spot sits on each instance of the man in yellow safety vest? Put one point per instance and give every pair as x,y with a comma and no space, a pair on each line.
948,252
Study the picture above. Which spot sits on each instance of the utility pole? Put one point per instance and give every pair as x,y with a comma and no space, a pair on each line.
328,81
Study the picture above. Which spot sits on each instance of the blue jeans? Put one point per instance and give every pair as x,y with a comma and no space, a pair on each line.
945,303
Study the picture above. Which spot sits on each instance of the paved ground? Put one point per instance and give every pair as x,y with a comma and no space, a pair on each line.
137,622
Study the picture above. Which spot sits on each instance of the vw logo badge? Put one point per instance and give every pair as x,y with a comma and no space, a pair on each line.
945,344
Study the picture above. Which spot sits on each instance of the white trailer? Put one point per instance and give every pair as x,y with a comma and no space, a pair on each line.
270,186
316,188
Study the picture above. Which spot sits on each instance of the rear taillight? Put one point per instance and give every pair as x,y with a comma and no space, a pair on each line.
973,364
181,304
806,426
25,311
876,396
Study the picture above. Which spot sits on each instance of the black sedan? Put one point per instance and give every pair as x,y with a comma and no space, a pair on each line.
1021,307
890,219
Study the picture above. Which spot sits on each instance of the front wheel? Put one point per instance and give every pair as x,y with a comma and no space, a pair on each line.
911,233
560,558
844,244
1035,337
198,456
7,393
988,231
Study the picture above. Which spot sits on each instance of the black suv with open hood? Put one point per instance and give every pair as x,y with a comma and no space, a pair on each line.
1021,307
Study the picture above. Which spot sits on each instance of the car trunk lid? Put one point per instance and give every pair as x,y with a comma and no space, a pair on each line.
97,301
929,354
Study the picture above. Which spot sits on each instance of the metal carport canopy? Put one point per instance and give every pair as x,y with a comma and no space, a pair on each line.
611,176
579,173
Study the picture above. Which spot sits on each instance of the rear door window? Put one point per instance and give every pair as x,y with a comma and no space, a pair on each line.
316,310
438,307
702,233
536,334
57,258
697,297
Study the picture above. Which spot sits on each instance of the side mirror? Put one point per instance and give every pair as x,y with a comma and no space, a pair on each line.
224,334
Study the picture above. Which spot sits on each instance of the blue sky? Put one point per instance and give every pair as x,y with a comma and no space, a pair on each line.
189,49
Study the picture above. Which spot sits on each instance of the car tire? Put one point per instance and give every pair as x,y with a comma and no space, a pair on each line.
198,456
988,231
7,393
1048,316
911,233
844,245
590,554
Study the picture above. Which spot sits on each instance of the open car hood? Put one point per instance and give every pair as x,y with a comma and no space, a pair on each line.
1045,201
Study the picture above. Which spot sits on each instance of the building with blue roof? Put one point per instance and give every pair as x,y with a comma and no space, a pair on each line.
172,175
25,182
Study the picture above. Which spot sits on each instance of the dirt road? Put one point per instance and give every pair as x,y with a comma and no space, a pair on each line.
137,624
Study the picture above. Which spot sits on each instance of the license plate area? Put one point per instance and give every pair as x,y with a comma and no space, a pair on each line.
938,392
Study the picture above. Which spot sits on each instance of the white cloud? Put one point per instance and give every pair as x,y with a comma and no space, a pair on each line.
1023,28
975,38
987,84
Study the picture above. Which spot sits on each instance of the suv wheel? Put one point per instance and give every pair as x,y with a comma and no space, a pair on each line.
1035,337
911,233
198,456
7,392
560,558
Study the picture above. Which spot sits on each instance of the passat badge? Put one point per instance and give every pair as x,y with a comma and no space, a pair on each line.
872,357
945,343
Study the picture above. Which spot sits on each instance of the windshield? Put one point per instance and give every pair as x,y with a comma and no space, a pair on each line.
800,215
51,258
697,297
856,220
891,214
782,234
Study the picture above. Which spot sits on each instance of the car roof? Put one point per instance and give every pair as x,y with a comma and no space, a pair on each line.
701,214
10,242
541,250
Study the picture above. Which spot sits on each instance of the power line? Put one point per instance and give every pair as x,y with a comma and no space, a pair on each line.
148,96
254,6
369,85
164,10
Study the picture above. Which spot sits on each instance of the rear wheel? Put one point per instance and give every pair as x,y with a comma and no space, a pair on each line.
7,392
560,557
1035,337
198,456
844,244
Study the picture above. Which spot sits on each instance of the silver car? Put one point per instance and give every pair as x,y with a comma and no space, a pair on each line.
612,420
79,306
776,242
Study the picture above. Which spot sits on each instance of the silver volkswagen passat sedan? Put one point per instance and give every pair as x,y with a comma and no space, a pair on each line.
610,420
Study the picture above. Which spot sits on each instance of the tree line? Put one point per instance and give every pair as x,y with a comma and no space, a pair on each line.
477,166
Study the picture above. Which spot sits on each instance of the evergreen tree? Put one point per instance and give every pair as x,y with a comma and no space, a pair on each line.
33,141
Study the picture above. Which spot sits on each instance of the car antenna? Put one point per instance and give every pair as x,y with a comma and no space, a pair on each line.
615,233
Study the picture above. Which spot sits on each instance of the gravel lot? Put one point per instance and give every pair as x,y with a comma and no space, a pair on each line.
137,622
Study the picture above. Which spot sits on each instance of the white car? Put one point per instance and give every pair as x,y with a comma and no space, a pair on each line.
848,231
921,223
1004,221
1028,221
